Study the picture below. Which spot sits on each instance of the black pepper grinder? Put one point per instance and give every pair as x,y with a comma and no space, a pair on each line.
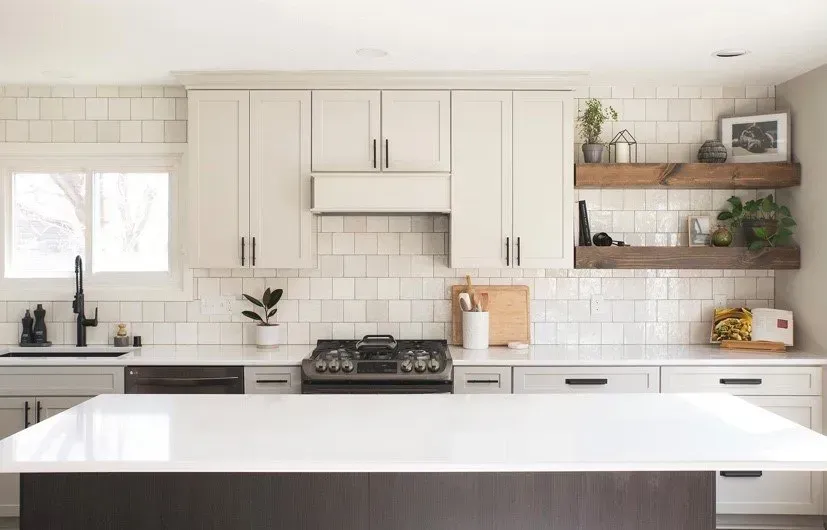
26,337
39,333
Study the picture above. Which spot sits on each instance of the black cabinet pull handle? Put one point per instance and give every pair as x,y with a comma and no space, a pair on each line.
387,154
518,251
243,251
507,250
483,381
737,381
374,153
37,413
26,409
587,381
742,474
254,251
272,381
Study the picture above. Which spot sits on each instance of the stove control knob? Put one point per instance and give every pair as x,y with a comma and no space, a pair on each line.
420,366
347,366
433,365
407,365
321,365
333,366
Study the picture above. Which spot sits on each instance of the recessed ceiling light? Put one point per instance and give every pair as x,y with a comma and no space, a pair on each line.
57,74
371,53
727,54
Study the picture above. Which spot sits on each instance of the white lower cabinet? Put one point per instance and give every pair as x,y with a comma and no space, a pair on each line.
482,380
793,392
581,379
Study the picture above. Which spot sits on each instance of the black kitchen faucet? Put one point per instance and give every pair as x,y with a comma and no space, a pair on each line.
78,306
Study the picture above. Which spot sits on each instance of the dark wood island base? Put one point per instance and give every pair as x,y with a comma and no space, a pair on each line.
369,501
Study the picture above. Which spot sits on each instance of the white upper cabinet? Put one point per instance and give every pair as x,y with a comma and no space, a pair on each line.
281,225
481,199
416,130
346,130
543,189
219,146
512,180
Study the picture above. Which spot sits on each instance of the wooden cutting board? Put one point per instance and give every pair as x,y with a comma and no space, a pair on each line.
509,313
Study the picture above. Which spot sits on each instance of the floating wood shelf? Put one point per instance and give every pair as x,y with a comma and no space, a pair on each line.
686,258
763,175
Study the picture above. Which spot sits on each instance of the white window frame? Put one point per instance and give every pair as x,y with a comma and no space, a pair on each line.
175,285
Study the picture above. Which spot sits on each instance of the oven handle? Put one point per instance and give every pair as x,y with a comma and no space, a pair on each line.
185,381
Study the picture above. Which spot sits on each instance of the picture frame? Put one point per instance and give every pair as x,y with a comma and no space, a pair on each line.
699,229
761,138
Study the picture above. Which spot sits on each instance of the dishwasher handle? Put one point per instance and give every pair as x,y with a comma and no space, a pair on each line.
186,381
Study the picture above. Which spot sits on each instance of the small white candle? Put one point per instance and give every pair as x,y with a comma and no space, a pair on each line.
622,153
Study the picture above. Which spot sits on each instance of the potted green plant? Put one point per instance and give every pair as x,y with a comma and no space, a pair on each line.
267,333
591,120
765,223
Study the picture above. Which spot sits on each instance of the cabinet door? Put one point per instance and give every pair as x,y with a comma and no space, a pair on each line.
346,130
281,225
46,407
416,130
543,191
13,419
481,179
586,379
482,380
219,159
272,380
776,492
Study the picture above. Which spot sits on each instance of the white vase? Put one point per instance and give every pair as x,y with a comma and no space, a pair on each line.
267,336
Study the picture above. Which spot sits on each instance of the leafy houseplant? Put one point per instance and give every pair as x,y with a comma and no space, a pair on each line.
765,223
591,121
267,334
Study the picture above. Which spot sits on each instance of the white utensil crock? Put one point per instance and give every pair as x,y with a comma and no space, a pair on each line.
475,330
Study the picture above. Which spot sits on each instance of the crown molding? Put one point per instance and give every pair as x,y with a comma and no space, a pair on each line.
421,80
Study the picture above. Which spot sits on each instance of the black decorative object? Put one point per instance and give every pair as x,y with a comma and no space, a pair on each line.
623,148
585,231
712,151
26,337
602,239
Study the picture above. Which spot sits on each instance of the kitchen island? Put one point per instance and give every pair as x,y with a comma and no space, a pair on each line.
393,462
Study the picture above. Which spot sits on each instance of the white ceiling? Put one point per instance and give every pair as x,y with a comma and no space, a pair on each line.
616,41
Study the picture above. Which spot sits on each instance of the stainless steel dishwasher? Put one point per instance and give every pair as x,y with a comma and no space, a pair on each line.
184,379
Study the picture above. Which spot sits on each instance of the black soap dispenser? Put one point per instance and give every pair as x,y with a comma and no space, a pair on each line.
26,338
39,333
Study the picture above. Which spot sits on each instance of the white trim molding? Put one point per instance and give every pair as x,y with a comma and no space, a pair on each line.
176,285
390,80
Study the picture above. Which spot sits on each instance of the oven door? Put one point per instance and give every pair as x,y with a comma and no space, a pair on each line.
379,387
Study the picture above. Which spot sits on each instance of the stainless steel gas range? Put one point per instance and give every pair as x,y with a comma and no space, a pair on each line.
378,364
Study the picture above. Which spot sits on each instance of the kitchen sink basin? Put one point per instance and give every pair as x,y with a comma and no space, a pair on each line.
66,354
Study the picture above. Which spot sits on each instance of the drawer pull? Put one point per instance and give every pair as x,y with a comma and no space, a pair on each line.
587,381
742,474
483,381
739,381
272,381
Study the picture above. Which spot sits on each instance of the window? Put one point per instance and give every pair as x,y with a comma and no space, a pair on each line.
119,212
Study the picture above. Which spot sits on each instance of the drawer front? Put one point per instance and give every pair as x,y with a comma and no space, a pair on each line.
775,492
743,380
565,380
272,380
61,380
482,380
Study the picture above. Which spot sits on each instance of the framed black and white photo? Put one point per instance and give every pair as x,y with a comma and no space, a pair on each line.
763,138
699,231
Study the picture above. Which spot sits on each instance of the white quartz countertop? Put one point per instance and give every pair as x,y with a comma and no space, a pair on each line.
413,433
291,355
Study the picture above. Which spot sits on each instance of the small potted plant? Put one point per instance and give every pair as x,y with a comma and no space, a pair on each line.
267,334
765,223
591,121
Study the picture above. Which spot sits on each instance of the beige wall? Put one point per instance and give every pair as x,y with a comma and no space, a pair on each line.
805,291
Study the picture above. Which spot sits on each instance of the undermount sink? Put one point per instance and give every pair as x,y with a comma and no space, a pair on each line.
64,353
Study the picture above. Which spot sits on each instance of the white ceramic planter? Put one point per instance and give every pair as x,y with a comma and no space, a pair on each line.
267,336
